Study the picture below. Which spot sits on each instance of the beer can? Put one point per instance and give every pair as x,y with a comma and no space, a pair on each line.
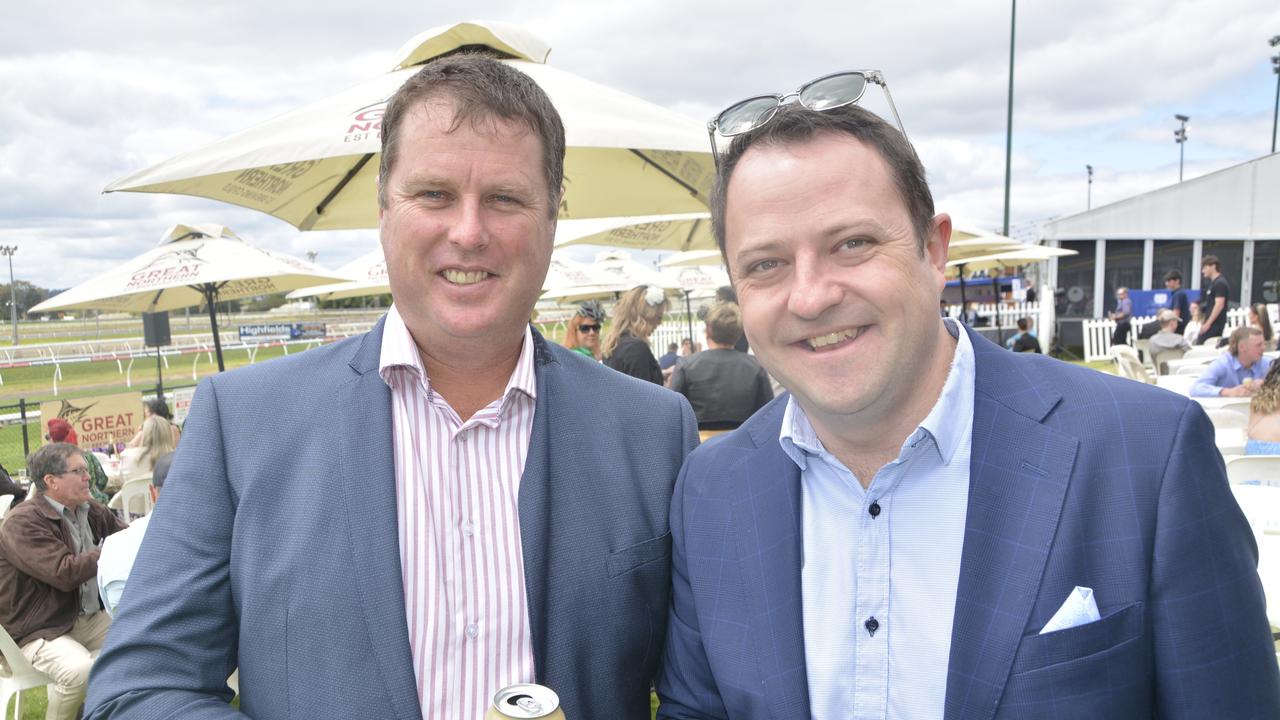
524,701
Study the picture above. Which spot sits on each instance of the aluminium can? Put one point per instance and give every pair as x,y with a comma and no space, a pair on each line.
525,702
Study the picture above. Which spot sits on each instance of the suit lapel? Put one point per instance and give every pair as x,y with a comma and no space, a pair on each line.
534,504
766,520
1019,470
367,462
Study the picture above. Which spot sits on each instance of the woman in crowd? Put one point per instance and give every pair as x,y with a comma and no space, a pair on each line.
1192,330
1259,318
583,335
1263,435
156,406
157,440
626,347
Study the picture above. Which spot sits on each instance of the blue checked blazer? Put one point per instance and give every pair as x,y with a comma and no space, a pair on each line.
274,546
1076,478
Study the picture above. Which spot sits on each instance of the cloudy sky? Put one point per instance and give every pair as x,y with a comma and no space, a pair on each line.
92,91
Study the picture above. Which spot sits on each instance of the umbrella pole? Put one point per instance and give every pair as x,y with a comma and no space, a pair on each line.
159,376
962,298
210,292
688,316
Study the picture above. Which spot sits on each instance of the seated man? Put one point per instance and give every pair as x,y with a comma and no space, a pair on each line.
1026,340
1238,372
120,550
724,386
48,566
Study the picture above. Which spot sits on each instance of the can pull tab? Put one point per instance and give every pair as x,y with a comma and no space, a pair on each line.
526,703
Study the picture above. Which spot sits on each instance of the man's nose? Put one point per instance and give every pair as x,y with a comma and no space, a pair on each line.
814,290
468,229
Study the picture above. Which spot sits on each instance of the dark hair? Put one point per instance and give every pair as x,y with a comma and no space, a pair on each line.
724,323
1264,320
794,123
481,89
50,459
1173,275
158,406
1211,260
725,293
672,347
1023,324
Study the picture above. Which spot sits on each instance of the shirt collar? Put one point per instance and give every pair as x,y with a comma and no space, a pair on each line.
945,423
399,352
62,509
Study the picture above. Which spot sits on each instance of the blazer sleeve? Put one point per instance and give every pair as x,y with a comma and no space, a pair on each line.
1214,656
173,642
686,688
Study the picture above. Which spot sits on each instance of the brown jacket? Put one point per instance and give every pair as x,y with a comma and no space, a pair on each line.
40,572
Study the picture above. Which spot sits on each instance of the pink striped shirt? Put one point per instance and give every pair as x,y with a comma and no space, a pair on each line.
457,486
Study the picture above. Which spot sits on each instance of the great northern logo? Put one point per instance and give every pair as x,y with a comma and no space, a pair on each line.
365,123
168,267
72,413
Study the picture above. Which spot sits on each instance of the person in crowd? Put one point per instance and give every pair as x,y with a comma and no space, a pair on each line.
668,360
1192,329
726,294
927,525
1237,372
1179,303
1167,338
156,406
1261,319
99,483
9,486
1026,339
724,386
635,317
1213,302
583,333
1122,315
467,434
157,440
49,552
970,315
1025,326
120,550
1263,431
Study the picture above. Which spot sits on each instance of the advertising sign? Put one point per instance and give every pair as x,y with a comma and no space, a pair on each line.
281,331
98,421
180,404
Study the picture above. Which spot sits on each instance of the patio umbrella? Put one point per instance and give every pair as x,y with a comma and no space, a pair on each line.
369,277
685,231
692,258
315,167
193,264
1012,256
694,278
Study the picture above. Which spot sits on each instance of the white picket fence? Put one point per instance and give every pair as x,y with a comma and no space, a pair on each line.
1097,333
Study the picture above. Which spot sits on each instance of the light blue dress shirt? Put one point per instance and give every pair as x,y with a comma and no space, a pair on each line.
900,566
1227,372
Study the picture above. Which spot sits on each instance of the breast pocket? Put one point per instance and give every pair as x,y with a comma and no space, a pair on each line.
1082,641
629,558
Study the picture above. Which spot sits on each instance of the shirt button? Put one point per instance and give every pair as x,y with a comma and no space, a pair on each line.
874,510
473,630
872,625
468,528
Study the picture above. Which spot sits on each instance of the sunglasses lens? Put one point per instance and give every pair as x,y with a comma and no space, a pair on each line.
834,91
746,115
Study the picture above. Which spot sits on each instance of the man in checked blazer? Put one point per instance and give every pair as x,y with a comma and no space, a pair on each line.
929,526
283,545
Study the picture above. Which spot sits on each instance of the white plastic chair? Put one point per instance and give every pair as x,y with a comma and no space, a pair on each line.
1255,470
21,675
1202,351
1226,419
1128,364
134,498
1160,359
1261,507
5,502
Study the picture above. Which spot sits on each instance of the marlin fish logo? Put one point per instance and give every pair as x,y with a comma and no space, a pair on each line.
176,258
73,414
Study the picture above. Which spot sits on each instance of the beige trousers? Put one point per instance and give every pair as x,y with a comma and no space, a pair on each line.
68,659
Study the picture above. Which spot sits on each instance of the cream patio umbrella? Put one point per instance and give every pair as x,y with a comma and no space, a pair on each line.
193,264
369,277
684,231
315,167
692,258
1012,256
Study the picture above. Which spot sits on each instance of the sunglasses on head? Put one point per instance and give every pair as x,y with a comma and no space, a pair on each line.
589,328
825,93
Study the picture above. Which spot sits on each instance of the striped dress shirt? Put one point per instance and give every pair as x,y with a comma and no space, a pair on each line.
457,485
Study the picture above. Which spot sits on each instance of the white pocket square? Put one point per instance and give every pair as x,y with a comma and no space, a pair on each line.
1079,609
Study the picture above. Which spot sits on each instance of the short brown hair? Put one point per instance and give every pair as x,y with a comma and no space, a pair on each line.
724,323
795,123
1211,260
1239,335
481,88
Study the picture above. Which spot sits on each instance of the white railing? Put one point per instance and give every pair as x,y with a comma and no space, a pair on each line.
1097,333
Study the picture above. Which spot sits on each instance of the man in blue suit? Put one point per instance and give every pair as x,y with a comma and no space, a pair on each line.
928,526
288,542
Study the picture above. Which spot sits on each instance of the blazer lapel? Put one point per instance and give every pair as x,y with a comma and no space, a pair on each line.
534,504
1019,470
367,461
766,520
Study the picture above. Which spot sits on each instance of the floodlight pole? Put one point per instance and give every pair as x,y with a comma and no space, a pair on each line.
1180,137
1008,135
1089,198
1275,67
8,251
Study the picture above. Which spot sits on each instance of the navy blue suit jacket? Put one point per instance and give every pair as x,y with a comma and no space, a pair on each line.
1076,478
275,548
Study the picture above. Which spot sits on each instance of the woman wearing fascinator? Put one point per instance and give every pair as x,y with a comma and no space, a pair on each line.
626,347
585,328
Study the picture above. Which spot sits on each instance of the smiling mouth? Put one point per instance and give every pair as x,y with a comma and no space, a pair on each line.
835,339
461,277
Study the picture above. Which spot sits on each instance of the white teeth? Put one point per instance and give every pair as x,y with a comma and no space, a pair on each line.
832,338
459,277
